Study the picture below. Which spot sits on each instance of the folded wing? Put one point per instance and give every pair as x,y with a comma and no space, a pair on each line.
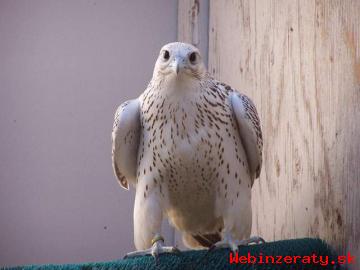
125,142
249,131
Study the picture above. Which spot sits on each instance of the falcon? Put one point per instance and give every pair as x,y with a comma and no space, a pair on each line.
192,148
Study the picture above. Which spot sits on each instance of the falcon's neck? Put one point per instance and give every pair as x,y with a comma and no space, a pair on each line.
179,86
167,97
168,94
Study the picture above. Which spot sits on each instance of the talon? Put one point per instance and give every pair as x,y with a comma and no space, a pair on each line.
234,248
156,260
261,240
228,242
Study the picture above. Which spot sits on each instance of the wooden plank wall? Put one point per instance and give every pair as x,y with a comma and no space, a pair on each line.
300,63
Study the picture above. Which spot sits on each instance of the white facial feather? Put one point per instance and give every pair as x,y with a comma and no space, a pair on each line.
179,59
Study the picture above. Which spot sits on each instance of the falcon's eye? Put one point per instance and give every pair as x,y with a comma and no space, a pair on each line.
192,57
166,55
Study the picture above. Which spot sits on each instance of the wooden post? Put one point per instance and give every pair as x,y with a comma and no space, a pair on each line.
188,21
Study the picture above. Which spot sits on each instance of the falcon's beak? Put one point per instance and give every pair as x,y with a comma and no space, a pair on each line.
176,65
177,68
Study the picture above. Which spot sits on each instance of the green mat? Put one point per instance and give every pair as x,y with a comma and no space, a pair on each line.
220,258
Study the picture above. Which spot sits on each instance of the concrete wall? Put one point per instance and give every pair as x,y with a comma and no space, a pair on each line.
64,68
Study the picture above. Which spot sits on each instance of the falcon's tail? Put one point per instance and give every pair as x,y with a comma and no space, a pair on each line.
202,240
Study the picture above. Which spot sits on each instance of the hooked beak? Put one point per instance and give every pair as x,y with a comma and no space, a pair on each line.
176,66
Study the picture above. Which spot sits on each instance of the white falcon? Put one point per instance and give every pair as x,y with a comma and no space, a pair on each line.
192,147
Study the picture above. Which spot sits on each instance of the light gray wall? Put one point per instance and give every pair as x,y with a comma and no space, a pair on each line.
64,68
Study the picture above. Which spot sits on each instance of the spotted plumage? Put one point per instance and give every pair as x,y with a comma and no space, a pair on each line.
192,147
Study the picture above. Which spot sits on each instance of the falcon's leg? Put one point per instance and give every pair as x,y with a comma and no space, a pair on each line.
237,219
147,225
156,249
229,242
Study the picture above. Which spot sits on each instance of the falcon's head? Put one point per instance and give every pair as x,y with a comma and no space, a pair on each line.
177,60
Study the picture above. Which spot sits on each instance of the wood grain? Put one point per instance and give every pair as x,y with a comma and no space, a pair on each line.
300,63
188,21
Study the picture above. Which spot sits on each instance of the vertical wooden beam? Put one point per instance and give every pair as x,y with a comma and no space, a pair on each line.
193,23
300,63
188,21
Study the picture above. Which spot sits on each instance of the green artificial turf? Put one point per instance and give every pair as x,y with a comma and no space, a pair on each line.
215,259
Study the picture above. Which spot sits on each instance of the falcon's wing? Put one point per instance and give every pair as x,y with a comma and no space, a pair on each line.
249,129
125,141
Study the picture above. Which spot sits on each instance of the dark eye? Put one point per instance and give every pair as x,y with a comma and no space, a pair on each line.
166,55
192,57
